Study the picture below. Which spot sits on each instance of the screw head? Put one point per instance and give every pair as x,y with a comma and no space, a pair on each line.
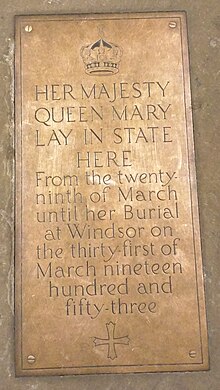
172,24
31,359
28,28
192,354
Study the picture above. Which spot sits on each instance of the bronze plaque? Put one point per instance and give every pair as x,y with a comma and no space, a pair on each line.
108,259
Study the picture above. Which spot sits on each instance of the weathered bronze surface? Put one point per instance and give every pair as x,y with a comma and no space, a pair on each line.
108,259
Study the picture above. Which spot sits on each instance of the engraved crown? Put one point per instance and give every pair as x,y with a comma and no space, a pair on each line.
101,58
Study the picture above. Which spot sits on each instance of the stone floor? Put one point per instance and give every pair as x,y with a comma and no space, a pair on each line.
204,41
